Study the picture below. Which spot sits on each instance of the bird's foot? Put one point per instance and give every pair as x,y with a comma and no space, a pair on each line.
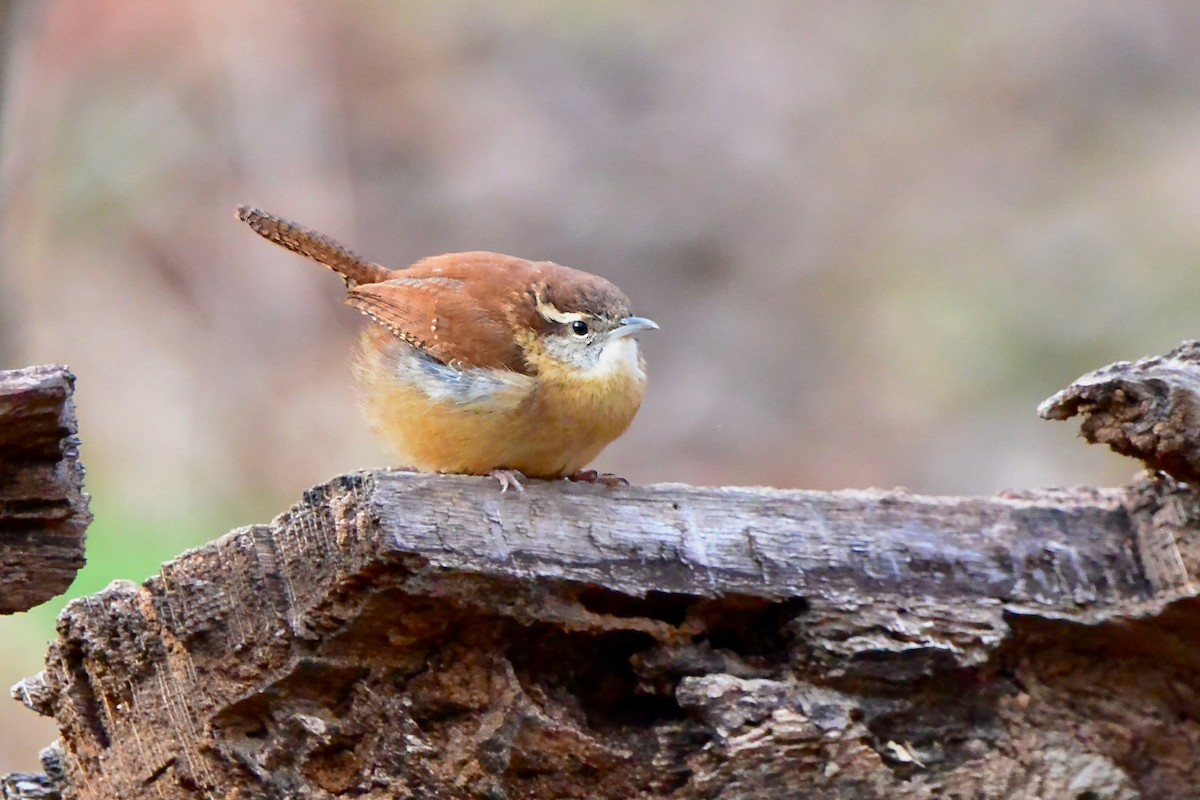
509,478
603,478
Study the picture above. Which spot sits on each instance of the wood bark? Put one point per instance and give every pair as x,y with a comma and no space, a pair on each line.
404,635
1148,409
43,510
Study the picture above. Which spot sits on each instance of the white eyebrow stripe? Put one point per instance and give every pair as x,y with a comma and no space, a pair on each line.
549,312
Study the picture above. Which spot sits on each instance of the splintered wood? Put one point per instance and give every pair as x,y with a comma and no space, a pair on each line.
43,511
405,635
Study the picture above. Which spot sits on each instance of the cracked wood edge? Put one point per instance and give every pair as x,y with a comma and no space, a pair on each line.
43,511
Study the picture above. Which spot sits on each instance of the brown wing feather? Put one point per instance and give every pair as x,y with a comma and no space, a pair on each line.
461,308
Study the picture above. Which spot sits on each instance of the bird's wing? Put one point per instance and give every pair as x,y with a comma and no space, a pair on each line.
457,308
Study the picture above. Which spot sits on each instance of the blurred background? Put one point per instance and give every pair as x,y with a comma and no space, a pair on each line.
875,234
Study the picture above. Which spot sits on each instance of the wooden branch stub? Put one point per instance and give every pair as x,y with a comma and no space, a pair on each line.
404,635
1148,409
21,786
43,510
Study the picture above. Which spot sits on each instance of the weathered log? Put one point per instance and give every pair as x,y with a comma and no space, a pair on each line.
402,635
1148,409
43,510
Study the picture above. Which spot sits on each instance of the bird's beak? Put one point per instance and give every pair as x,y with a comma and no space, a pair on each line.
631,326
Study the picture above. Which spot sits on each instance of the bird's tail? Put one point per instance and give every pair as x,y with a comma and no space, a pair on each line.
354,269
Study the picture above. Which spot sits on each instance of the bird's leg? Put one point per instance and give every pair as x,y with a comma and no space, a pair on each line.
509,478
603,478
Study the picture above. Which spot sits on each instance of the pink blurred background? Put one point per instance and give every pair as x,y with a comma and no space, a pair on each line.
875,234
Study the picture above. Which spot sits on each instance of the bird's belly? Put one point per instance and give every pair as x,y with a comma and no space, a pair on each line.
458,422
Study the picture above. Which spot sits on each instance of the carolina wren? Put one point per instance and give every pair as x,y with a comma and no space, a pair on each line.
486,364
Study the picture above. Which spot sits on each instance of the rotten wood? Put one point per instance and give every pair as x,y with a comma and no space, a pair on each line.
1148,409
404,635
43,510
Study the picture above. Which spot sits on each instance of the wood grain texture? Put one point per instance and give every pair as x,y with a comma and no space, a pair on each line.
43,510
405,635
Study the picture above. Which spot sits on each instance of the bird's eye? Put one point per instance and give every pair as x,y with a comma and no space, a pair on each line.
579,328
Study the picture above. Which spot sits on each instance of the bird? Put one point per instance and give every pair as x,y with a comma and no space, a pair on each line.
481,363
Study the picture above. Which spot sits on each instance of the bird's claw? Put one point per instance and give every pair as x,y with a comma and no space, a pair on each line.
509,478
